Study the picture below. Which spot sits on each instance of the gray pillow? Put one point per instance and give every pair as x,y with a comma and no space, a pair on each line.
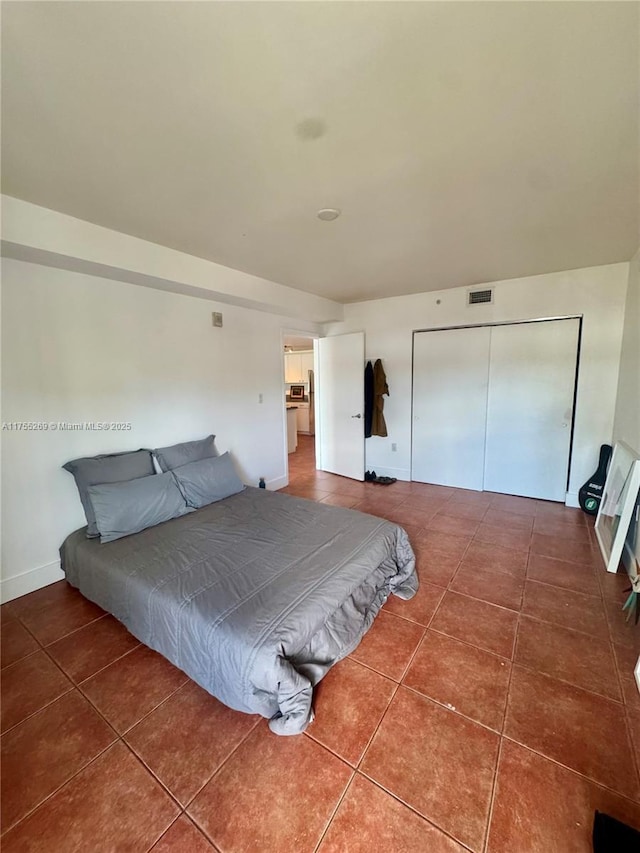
189,451
125,508
208,480
112,468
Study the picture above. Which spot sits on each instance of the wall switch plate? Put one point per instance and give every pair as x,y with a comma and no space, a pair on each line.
259,398
394,447
216,318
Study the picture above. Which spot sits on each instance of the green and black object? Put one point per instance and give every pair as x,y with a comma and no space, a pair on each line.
590,494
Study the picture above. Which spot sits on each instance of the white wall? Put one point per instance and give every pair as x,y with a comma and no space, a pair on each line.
596,293
627,419
47,237
79,348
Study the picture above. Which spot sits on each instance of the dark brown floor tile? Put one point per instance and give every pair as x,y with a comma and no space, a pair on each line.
541,807
54,611
29,685
388,645
633,717
413,532
583,731
183,837
463,677
509,520
434,566
349,703
310,493
630,693
460,509
185,756
626,658
623,632
569,655
274,794
437,762
496,558
114,804
46,750
347,501
351,487
370,509
565,607
430,490
561,548
16,642
406,517
549,526
429,505
561,573
564,514
453,524
614,585
368,819
507,537
494,587
421,607
91,648
479,499
477,622
384,498
128,689
445,543
513,503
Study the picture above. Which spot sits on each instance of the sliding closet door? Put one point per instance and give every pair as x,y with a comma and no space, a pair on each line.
530,408
450,371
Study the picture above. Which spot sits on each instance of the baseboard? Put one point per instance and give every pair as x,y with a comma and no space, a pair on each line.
572,500
277,483
18,585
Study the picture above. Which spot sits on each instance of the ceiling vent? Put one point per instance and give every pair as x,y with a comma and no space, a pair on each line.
479,297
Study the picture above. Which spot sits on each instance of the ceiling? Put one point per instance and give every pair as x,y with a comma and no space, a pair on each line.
463,142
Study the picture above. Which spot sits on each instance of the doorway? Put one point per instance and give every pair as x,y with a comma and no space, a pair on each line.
299,402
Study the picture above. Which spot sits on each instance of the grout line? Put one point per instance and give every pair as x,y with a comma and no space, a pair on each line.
335,809
6,829
573,770
75,630
224,761
413,809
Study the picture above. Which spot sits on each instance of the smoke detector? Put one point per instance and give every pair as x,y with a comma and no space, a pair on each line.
327,214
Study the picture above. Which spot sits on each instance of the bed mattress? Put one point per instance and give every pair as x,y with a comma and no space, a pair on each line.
254,597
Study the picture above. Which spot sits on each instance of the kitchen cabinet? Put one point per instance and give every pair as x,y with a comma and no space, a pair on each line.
292,432
297,366
292,367
306,364
302,417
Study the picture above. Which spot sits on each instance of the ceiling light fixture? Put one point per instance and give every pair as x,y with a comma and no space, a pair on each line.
328,213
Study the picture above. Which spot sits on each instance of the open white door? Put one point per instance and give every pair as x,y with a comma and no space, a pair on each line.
341,405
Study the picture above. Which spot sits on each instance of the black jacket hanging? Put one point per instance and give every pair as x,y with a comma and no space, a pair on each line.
368,399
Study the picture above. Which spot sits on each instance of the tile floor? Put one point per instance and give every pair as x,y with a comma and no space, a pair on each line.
493,712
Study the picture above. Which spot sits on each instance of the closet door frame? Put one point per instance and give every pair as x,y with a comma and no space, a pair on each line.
578,317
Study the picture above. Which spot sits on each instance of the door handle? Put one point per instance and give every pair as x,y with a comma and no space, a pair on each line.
356,416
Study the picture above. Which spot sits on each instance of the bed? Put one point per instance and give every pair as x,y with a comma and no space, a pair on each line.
254,597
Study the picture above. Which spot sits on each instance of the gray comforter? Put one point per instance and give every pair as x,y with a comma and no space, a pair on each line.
254,597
